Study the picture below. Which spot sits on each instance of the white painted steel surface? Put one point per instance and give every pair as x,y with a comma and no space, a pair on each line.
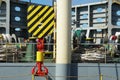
63,31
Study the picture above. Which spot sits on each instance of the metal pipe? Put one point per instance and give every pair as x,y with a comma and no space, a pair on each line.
55,11
8,17
63,56
110,17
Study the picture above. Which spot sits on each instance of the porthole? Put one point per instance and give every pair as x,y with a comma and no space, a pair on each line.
17,18
118,23
17,29
17,8
118,13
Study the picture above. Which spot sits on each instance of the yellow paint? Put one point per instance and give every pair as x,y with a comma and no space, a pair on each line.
49,26
44,24
101,77
40,20
30,8
51,31
32,13
39,56
33,77
46,21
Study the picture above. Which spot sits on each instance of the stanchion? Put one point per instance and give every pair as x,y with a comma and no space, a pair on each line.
33,77
101,77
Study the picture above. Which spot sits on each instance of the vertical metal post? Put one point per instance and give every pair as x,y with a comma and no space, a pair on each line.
109,17
63,56
105,52
8,17
33,77
101,77
99,71
117,74
55,11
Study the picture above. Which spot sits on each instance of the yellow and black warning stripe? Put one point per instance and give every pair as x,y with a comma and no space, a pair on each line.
40,20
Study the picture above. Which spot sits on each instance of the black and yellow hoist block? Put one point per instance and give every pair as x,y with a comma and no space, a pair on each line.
40,20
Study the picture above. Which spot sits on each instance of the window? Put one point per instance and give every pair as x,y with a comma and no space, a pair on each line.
84,16
99,30
99,20
17,29
118,12
73,12
17,18
118,23
99,9
85,25
17,8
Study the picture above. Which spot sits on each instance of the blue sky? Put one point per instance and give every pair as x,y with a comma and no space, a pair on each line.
74,2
